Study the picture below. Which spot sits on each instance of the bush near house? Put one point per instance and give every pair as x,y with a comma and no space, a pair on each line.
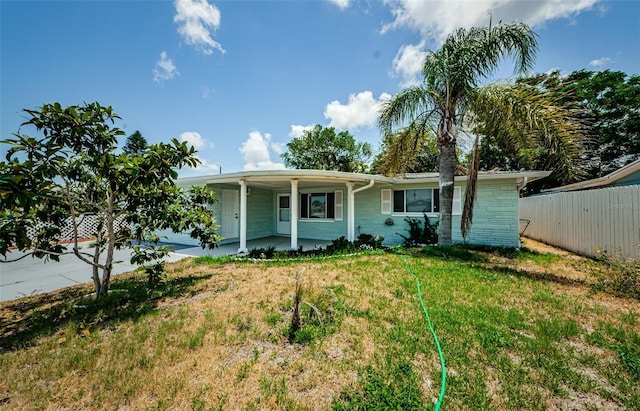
338,246
420,232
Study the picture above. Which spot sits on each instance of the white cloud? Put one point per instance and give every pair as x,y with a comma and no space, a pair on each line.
256,152
407,64
205,166
194,139
361,111
297,130
437,19
165,69
342,4
599,63
196,19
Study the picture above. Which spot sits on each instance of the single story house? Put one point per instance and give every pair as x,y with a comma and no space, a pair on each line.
325,205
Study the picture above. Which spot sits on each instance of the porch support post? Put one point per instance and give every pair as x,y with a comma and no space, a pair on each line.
243,217
294,214
350,212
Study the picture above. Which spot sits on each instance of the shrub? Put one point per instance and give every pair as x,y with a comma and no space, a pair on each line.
420,233
617,275
368,241
262,253
341,246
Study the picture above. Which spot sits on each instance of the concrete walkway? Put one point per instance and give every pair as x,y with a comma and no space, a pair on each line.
30,275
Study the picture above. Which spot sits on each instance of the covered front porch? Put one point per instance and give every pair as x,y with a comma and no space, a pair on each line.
292,206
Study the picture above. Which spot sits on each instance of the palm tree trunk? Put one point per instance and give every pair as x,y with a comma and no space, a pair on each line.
447,172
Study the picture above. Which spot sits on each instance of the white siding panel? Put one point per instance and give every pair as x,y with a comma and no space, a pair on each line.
587,221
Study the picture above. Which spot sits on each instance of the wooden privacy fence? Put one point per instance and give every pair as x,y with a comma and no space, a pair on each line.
584,222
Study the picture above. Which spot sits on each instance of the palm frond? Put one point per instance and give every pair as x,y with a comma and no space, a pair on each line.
469,56
527,117
472,188
414,104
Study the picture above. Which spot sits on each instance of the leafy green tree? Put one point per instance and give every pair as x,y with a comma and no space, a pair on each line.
607,103
135,144
72,171
323,149
610,100
407,151
451,98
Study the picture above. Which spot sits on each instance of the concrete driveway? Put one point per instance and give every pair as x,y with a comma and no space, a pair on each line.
30,276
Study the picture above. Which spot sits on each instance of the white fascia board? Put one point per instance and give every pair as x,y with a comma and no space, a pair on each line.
506,175
329,176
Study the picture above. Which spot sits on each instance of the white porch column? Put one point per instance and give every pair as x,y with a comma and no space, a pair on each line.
350,212
294,214
243,217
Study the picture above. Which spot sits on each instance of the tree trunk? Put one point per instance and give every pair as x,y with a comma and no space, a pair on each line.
447,172
104,284
96,261
447,145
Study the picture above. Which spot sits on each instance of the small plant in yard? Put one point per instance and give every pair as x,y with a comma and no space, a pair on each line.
296,322
420,233
618,275
315,313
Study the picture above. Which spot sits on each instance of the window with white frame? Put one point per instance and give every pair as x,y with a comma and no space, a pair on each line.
327,206
416,201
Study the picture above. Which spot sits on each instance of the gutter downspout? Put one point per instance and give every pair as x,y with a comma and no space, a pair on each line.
525,180
351,207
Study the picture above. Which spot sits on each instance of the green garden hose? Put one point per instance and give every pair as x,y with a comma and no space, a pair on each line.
435,337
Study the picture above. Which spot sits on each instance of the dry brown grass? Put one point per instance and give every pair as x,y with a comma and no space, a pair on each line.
221,344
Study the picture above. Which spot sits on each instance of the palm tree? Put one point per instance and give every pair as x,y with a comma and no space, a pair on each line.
531,121
451,96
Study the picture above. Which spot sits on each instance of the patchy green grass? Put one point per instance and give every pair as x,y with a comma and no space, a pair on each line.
515,331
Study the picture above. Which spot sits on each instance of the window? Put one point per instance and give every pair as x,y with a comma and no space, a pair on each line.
416,201
326,206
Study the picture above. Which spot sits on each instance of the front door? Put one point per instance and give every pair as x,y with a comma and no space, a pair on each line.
229,218
284,214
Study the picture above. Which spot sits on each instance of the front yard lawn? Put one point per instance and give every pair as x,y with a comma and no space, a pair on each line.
519,330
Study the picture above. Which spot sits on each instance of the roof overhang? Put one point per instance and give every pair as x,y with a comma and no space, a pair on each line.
281,179
600,181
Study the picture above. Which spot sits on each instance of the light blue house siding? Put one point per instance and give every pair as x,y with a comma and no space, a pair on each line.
495,222
322,230
495,215
370,220
261,214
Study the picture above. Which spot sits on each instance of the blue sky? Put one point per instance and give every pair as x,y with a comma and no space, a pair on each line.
240,79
